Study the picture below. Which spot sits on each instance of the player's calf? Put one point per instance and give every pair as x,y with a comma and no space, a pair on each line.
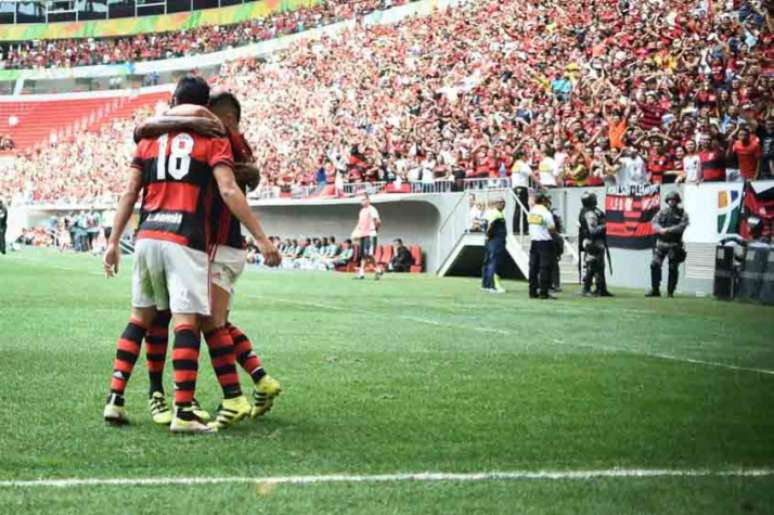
127,350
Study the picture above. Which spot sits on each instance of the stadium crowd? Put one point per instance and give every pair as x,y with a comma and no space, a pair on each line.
540,94
65,53
556,94
84,231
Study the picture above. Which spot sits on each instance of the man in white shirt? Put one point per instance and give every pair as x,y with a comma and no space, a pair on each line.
541,251
632,171
548,170
520,173
367,230
691,164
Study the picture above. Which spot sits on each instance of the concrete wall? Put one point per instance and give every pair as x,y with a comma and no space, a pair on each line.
415,219
631,268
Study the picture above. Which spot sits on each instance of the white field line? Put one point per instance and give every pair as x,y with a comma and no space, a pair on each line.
591,346
456,326
297,302
553,475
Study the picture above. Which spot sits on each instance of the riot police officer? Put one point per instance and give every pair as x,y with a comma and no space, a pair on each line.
558,247
669,224
593,245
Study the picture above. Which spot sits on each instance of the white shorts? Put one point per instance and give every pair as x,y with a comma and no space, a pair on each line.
170,276
227,266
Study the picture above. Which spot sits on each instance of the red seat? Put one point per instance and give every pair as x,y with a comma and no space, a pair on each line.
386,255
416,255
404,188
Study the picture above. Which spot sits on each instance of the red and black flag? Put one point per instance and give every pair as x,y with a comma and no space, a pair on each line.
758,201
628,215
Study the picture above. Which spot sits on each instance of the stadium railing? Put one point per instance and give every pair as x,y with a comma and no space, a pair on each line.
488,183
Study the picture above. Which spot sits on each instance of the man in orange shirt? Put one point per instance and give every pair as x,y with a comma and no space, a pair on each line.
747,149
616,126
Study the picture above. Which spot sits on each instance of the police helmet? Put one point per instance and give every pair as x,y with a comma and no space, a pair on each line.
673,195
589,200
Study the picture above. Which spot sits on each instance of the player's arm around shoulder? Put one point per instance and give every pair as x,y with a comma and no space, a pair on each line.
184,117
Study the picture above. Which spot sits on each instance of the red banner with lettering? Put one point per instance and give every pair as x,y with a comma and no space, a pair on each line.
629,214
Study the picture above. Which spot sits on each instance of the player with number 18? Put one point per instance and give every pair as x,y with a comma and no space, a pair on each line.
173,173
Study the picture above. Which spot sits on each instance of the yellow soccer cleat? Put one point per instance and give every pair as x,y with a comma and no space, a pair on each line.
230,412
159,410
203,414
114,412
186,421
263,395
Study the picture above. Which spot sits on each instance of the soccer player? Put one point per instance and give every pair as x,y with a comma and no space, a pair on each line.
174,173
367,230
228,261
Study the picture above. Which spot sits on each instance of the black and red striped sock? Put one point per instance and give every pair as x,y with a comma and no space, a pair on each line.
156,343
245,355
221,348
185,361
127,350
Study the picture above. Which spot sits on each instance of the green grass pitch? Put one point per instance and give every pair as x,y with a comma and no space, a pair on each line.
410,374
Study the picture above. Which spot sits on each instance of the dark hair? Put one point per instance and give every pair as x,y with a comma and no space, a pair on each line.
398,241
348,241
226,97
192,89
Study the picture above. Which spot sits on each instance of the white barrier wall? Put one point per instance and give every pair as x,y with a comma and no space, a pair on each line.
711,208
413,218
417,219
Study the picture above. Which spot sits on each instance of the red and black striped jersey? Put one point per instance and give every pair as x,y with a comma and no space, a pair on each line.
226,229
178,186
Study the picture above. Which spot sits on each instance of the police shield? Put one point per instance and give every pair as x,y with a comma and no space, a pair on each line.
752,275
722,287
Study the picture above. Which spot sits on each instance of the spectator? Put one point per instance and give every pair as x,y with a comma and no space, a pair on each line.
747,150
476,215
712,162
401,258
766,138
345,256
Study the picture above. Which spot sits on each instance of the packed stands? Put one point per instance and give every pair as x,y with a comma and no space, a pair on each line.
65,53
586,93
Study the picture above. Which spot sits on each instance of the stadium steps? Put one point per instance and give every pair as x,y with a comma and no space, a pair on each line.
568,266
38,120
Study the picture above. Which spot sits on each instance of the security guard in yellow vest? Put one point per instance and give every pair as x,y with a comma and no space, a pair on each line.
541,252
